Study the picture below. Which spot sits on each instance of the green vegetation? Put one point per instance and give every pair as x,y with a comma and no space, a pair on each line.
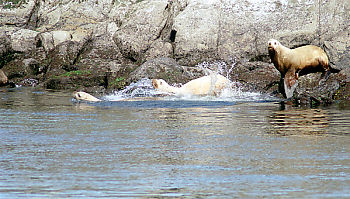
75,73
8,4
118,83
6,58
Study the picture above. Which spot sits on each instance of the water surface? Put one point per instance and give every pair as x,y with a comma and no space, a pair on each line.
52,147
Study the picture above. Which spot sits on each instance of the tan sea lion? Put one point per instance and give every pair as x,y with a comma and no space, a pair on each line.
292,63
85,97
206,85
3,78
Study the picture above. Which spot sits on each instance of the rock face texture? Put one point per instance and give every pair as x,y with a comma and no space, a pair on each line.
107,44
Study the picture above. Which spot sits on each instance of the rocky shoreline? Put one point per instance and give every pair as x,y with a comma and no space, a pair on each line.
104,45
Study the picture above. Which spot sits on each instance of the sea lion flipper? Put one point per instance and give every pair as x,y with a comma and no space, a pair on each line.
290,83
290,90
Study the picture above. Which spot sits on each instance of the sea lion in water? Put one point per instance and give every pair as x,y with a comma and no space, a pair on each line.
292,63
82,96
206,85
85,97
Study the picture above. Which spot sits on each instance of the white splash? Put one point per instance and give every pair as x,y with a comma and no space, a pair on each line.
144,89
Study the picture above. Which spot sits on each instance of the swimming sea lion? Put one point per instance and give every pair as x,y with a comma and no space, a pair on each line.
206,85
85,97
292,63
82,96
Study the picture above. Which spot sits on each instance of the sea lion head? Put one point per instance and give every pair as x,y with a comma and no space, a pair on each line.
273,44
163,86
159,83
79,95
84,96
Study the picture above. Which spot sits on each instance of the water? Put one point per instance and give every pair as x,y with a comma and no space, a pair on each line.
53,147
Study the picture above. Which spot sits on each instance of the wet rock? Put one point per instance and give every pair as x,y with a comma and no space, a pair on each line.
257,76
311,91
32,66
3,78
76,80
15,69
5,49
29,82
5,43
167,69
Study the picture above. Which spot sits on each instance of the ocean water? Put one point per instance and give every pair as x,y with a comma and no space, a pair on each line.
240,145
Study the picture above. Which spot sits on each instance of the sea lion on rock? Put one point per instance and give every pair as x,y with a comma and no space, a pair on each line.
292,63
85,97
206,85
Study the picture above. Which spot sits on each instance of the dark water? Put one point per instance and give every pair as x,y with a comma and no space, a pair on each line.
51,147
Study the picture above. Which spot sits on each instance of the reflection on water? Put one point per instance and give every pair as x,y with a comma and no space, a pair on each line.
51,147
300,121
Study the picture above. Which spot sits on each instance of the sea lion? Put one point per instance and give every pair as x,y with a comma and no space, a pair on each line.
292,63
85,97
206,85
3,78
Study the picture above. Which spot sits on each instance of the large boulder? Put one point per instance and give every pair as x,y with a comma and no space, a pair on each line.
142,29
21,40
197,32
167,69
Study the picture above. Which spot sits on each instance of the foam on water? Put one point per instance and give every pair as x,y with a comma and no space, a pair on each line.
142,88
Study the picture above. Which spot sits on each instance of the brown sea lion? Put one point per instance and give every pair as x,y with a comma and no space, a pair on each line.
206,85
292,63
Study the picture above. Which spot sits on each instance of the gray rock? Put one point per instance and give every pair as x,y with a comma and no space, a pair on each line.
22,40
5,43
18,15
144,26
167,69
32,66
5,48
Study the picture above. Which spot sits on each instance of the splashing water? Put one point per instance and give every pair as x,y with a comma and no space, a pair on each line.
233,92
144,89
